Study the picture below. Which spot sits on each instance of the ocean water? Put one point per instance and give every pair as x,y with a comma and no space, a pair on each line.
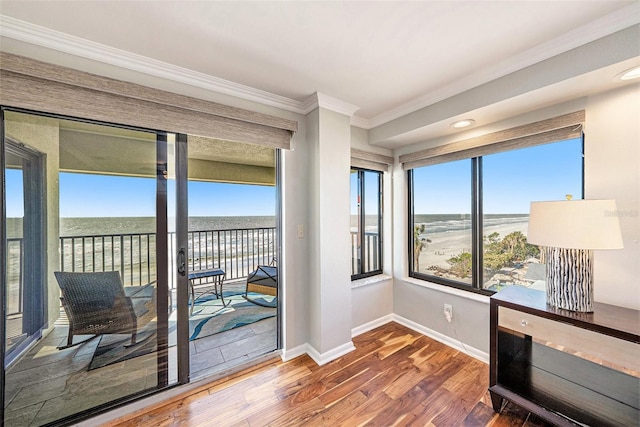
136,225
436,223
443,223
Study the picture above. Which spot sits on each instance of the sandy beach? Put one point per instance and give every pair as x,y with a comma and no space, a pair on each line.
445,245
451,243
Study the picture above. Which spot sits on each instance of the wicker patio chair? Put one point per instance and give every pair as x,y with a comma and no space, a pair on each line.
96,304
264,280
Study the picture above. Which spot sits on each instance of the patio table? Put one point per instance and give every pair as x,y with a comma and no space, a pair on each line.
206,277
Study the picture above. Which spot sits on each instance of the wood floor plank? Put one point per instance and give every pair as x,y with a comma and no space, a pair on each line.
395,376
270,385
345,388
398,409
339,411
368,410
405,382
298,416
480,415
430,408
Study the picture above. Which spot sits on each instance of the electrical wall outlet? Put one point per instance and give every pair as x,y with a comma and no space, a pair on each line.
448,312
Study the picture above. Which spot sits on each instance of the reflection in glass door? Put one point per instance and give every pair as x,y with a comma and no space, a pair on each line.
103,300
24,317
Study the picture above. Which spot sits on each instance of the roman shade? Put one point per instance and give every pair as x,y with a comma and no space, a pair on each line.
29,84
559,128
373,161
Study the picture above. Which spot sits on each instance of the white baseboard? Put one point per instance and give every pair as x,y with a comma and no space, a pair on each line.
328,356
444,339
371,325
294,352
320,359
333,354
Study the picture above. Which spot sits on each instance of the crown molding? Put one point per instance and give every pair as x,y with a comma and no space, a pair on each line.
41,36
601,27
330,103
360,122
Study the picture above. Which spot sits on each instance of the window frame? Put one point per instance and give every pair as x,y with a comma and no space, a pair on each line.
362,218
477,225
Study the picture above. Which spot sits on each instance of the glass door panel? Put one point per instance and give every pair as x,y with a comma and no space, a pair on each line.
232,246
105,294
24,317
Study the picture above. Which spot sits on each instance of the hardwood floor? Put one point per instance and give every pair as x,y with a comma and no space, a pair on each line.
394,377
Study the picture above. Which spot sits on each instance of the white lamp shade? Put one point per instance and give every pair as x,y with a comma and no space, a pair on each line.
575,224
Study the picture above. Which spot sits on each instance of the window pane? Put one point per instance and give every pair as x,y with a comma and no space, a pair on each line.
366,219
355,221
442,221
511,181
371,253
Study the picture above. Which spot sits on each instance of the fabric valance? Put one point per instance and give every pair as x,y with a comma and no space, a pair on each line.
373,161
559,128
34,85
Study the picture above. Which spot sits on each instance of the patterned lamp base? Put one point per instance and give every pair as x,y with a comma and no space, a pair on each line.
569,278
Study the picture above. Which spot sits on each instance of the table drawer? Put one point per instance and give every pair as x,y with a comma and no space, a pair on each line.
622,353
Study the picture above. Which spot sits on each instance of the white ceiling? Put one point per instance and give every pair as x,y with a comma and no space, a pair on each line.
386,58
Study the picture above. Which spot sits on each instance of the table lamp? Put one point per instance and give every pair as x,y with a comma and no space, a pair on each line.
568,232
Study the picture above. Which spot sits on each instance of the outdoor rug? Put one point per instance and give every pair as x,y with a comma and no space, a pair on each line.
209,318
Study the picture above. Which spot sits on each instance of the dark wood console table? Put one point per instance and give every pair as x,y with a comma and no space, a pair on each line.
566,367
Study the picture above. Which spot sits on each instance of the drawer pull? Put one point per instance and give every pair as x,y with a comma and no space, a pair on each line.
523,322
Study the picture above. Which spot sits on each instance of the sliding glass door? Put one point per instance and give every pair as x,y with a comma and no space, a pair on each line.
135,260
87,266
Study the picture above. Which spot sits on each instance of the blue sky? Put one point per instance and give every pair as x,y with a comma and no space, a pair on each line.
216,199
83,195
511,180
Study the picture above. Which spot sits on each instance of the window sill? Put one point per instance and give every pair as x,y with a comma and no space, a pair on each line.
370,280
448,290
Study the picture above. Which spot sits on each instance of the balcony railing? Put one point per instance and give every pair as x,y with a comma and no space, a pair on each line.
15,275
369,257
236,251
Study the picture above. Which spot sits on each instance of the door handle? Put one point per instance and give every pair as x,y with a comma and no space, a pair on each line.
181,263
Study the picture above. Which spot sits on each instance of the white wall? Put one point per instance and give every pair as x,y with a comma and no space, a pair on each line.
419,304
612,164
328,136
295,262
612,171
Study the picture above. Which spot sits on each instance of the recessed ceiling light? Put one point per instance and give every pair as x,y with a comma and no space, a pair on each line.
462,123
633,73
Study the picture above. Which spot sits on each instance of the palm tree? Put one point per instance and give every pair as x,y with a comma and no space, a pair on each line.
418,245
